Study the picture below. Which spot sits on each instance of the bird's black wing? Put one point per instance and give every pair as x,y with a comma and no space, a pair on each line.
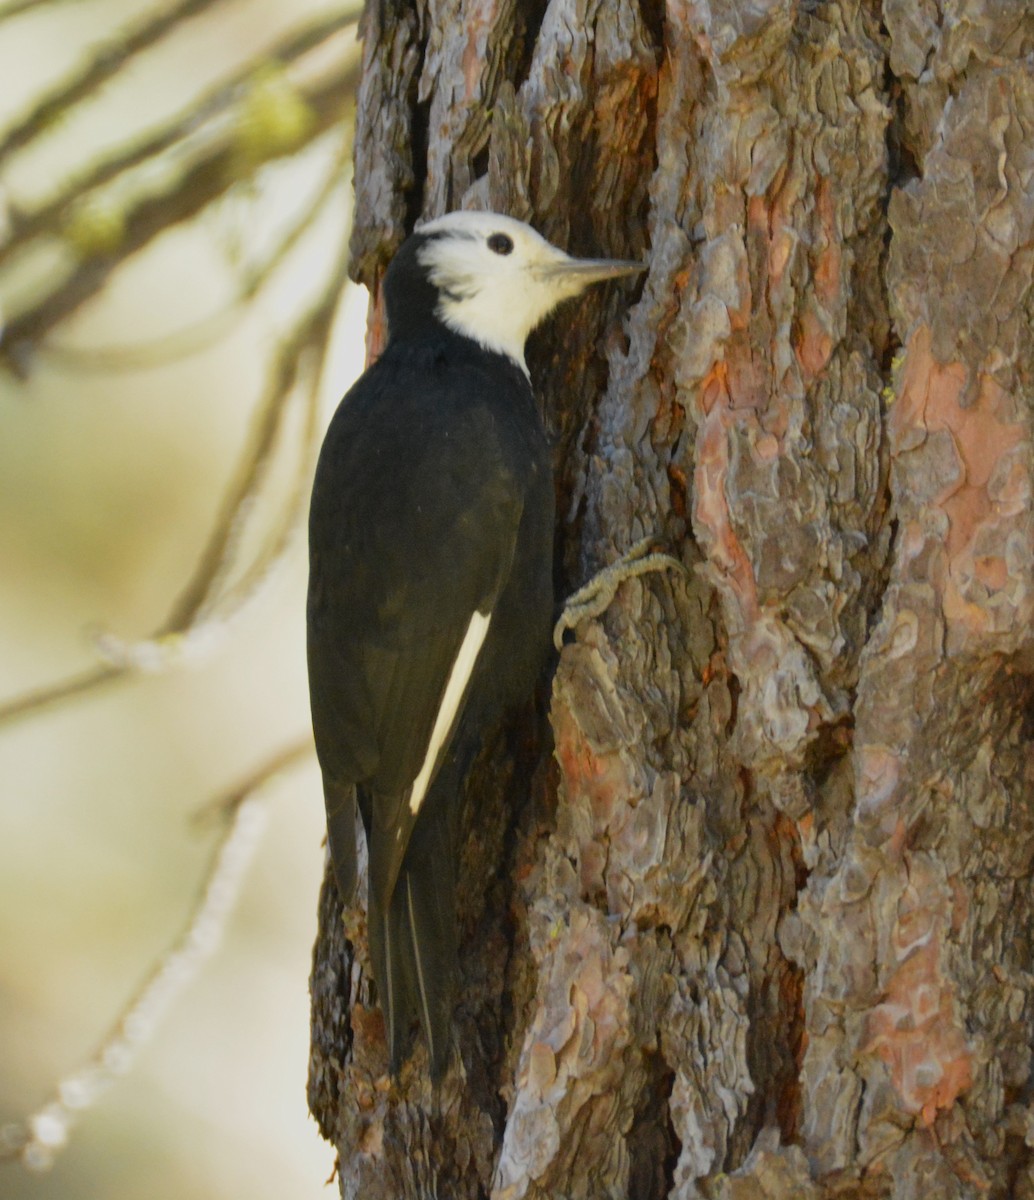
415,513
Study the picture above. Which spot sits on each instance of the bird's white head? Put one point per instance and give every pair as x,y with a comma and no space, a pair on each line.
496,278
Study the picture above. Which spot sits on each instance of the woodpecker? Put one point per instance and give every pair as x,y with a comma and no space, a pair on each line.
430,599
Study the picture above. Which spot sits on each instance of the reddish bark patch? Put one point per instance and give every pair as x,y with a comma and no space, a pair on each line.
711,507
376,326
930,401
597,780
814,344
878,775
368,1030
915,1030
594,784
478,21
973,467
774,224
789,1097
679,485
828,264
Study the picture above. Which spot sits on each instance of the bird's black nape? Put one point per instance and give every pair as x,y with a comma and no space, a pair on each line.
410,298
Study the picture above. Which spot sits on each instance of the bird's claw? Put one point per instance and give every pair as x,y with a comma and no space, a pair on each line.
596,596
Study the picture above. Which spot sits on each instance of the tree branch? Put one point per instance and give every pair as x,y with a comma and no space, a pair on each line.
31,703
18,8
208,329
97,70
46,217
202,610
210,176
39,1138
308,341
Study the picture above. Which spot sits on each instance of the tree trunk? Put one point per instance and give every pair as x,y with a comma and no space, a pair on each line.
762,925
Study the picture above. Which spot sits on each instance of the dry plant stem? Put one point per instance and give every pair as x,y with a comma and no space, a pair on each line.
205,180
223,807
38,1139
207,330
18,8
30,703
160,351
43,219
110,58
201,608
308,340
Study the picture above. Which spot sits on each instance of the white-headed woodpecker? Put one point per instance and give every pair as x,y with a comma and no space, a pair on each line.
430,589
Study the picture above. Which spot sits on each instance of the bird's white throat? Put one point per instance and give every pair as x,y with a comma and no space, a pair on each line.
495,298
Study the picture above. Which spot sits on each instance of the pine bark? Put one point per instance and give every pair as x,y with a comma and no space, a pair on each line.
750,913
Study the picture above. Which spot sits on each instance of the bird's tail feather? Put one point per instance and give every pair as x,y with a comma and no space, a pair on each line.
429,898
388,941
340,802
413,948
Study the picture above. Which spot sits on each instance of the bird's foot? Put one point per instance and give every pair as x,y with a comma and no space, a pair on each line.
595,597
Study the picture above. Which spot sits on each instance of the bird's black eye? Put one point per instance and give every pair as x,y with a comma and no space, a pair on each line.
500,243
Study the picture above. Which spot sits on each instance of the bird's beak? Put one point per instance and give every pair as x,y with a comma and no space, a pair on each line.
578,273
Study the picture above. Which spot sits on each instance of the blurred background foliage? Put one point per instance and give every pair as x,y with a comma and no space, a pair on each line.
174,201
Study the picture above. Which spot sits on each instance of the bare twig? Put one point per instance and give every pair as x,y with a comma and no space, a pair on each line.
308,342
30,703
205,331
111,57
166,348
206,179
223,807
38,1139
25,225
18,8
202,609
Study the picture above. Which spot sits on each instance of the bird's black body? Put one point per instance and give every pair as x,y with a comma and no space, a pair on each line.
433,500
430,589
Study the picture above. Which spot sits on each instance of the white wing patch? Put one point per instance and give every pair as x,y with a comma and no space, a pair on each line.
459,677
